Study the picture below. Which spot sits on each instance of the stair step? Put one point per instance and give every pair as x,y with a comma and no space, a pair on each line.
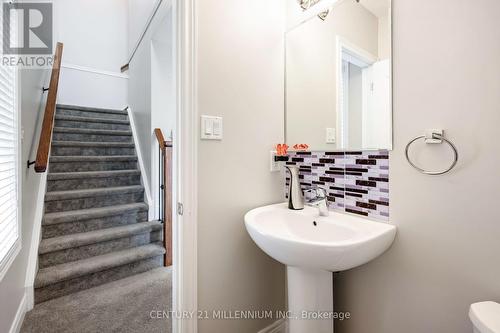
91,144
73,247
85,220
92,198
92,135
77,194
71,148
54,274
91,114
60,164
92,179
85,214
97,236
92,131
63,279
91,122
91,174
68,159
90,109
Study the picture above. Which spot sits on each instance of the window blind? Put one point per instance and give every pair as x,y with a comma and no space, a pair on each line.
9,225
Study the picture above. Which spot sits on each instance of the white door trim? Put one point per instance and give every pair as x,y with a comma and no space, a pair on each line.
186,149
341,45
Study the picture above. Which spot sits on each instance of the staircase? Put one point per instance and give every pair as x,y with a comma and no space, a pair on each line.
95,227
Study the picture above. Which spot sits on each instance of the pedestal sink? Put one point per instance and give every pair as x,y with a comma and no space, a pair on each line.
312,247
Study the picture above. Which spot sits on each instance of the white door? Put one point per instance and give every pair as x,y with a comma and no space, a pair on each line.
377,105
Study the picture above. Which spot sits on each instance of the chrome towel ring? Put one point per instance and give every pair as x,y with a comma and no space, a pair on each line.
433,137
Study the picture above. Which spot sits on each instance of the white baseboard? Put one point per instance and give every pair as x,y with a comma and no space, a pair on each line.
278,326
18,319
29,295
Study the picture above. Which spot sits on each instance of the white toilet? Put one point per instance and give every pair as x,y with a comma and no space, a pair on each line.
485,317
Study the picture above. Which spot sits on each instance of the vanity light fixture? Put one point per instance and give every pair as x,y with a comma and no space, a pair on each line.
323,15
306,4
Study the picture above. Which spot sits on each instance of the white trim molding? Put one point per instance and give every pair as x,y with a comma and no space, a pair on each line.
185,278
19,317
94,70
140,161
279,326
35,242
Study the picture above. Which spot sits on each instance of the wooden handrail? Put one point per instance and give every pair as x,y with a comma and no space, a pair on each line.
160,138
166,148
42,155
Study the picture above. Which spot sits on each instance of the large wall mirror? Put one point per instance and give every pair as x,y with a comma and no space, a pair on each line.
338,90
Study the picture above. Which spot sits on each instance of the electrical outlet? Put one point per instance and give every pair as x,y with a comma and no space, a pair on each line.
275,165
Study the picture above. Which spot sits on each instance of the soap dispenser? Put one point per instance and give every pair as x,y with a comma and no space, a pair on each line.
295,195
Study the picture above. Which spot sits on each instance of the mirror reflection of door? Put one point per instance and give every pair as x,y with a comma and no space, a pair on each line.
353,93
365,107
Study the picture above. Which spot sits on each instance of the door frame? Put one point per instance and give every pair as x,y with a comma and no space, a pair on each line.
342,44
184,293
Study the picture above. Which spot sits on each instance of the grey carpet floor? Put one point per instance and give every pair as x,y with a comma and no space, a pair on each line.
120,306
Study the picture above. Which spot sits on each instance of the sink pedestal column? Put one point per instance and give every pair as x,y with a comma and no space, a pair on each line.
310,298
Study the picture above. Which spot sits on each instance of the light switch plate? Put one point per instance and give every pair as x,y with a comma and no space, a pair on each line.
330,135
211,128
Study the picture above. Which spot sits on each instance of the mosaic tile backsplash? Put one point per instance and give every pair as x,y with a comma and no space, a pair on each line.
356,182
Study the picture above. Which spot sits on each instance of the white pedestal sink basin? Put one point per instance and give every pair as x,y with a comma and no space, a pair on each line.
312,247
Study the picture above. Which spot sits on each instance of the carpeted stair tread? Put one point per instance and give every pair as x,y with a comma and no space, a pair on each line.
95,192
90,109
86,214
98,236
67,271
92,144
102,158
91,174
91,131
92,120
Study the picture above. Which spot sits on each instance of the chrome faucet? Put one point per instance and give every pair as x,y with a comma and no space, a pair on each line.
320,200
295,195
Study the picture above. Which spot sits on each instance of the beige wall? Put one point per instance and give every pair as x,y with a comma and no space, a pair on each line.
141,86
240,64
311,73
94,36
384,37
446,74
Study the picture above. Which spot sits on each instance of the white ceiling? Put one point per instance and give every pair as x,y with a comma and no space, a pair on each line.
379,8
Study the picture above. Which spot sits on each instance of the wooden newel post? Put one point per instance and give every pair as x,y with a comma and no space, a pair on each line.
166,148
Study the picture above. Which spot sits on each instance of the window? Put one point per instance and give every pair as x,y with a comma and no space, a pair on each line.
9,161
